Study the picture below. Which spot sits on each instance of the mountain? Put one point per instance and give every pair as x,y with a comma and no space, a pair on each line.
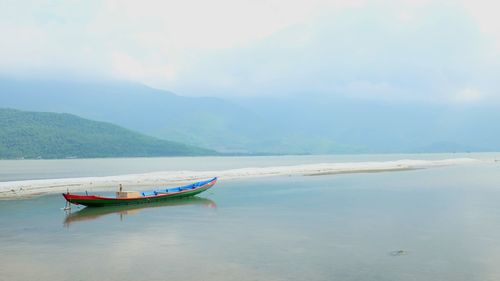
206,122
305,124
219,124
340,125
52,135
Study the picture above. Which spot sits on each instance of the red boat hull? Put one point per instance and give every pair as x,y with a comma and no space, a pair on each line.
99,201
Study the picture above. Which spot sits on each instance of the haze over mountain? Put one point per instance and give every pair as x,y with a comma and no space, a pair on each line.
267,125
207,121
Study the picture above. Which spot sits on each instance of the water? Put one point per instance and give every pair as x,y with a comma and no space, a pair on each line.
445,221
11,170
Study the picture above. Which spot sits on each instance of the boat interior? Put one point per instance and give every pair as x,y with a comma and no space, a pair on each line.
176,189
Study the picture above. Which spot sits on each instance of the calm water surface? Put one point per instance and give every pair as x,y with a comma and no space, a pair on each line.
444,221
66,168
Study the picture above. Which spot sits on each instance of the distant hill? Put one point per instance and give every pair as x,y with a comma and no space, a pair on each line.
52,135
305,124
205,122
214,123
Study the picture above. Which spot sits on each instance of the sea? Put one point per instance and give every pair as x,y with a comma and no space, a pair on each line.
440,223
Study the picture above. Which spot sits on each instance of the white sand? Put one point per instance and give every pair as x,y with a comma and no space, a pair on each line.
13,189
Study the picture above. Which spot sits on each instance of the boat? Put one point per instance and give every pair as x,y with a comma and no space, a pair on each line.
131,198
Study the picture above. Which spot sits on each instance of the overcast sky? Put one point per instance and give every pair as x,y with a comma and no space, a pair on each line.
432,51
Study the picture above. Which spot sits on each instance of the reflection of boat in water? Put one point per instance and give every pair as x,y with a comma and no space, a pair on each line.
131,198
94,213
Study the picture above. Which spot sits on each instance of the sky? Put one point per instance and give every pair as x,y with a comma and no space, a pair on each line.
391,50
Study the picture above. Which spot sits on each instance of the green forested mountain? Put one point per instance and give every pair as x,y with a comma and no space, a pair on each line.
280,125
54,135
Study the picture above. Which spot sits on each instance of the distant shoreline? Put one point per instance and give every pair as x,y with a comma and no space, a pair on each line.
29,188
241,154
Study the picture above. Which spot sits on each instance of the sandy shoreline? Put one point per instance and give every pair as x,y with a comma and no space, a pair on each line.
27,188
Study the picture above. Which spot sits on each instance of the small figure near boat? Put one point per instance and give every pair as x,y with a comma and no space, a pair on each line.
135,197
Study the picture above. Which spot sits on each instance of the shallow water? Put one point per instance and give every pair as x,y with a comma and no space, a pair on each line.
446,222
11,170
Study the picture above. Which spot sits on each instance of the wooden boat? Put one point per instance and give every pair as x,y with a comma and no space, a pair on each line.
141,197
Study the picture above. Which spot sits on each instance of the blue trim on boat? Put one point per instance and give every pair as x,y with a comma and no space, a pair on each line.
177,189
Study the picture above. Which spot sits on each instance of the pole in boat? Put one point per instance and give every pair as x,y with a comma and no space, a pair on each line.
68,205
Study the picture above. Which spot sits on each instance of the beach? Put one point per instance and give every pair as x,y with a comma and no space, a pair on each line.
142,181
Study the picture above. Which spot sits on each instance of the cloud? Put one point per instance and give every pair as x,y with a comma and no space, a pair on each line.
364,52
468,95
485,14
127,67
410,49
43,34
